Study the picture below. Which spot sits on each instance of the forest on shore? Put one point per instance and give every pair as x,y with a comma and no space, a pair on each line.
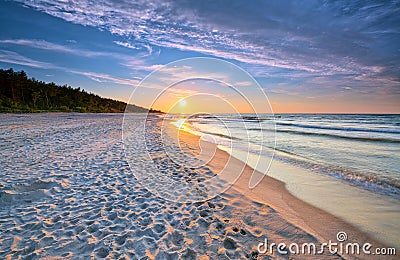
20,94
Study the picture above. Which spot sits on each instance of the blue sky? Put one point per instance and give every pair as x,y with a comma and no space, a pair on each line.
308,56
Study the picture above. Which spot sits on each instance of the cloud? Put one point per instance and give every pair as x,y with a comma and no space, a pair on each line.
102,77
127,60
244,83
302,47
45,45
316,37
15,58
148,48
140,64
126,44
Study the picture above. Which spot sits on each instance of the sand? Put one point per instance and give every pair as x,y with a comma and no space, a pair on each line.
316,222
71,188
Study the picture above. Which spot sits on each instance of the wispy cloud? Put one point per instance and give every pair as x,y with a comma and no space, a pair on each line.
102,77
147,47
127,45
15,58
320,38
135,62
45,45
303,48
140,64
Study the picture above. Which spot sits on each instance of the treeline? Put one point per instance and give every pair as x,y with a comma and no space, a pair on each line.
18,93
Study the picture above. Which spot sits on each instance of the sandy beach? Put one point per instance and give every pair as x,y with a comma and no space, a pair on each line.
315,222
71,188
183,130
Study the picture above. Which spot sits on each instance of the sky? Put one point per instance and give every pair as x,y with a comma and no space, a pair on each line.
307,56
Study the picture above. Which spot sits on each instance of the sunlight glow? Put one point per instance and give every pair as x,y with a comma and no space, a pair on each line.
182,102
180,124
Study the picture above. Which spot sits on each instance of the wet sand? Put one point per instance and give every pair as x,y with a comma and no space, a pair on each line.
316,222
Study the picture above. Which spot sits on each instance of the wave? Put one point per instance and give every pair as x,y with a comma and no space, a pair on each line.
366,180
224,117
356,138
380,184
355,129
383,185
384,181
222,135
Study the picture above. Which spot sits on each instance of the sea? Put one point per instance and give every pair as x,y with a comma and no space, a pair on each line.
345,164
363,150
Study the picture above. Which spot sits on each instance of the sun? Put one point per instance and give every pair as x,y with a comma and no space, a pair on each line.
182,102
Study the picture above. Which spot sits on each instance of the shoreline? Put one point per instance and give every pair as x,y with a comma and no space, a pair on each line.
274,193
374,214
68,194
